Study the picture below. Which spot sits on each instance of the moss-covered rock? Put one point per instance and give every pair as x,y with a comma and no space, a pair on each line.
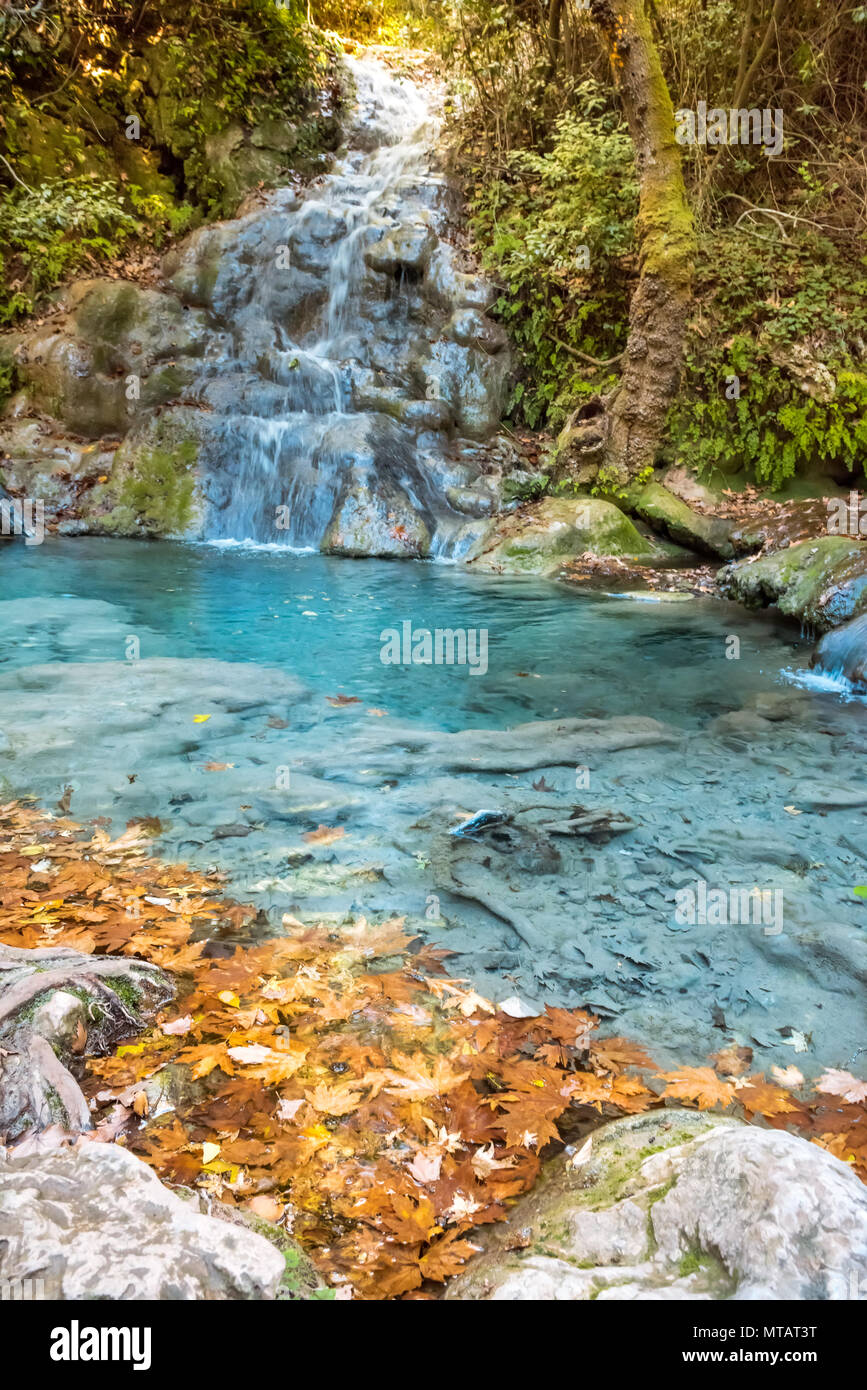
115,350
541,537
820,582
153,488
672,517
666,1205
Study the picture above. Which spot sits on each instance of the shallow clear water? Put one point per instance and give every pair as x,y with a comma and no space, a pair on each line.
583,655
726,773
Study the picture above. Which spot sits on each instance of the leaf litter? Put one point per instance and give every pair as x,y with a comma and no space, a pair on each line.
340,1083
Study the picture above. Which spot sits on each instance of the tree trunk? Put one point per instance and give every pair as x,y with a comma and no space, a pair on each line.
625,430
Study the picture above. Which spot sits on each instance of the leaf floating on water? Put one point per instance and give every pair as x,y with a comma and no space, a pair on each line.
860,891
790,1077
217,767
378,713
275,722
542,785
732,1060
200,718
842,1083
340,700
324,835
793,810
515,1009
700,1085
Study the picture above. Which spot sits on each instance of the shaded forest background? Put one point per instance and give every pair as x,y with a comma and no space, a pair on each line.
537,136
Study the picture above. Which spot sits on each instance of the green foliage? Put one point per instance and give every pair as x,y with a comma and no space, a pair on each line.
8,377
48,231
760,303
555,229
72,72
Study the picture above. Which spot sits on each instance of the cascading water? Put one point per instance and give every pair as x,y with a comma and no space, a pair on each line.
355,373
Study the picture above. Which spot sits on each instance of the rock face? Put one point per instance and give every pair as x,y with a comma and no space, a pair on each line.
315,373
543,536
681,1205
820,582
94,1222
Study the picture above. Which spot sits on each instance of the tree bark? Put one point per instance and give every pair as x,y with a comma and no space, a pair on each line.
628,426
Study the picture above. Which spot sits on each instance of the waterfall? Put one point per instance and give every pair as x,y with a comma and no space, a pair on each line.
355,375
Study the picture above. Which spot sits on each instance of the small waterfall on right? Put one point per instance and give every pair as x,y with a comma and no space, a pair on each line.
354,374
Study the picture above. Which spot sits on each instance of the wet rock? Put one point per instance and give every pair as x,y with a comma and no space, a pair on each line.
374,519
844,652
678,1204
406,250
671,516
199,269
448,287
820,582
94,1222
541,537
117,351
471,501
471,328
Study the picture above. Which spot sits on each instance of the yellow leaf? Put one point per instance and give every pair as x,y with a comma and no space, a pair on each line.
317,1132
210,1152
227,997
200,718
131,1050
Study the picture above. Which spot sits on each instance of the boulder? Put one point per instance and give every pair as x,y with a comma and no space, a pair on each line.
117,351
672,517
543,536
375,518
679,1204
820,582
94,1222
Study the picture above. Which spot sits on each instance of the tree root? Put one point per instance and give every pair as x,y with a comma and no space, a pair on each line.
57,1005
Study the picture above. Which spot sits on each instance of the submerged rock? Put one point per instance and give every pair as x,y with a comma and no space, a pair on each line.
820,582
677,1204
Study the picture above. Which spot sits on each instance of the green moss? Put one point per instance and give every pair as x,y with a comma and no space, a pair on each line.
157,495
127,992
